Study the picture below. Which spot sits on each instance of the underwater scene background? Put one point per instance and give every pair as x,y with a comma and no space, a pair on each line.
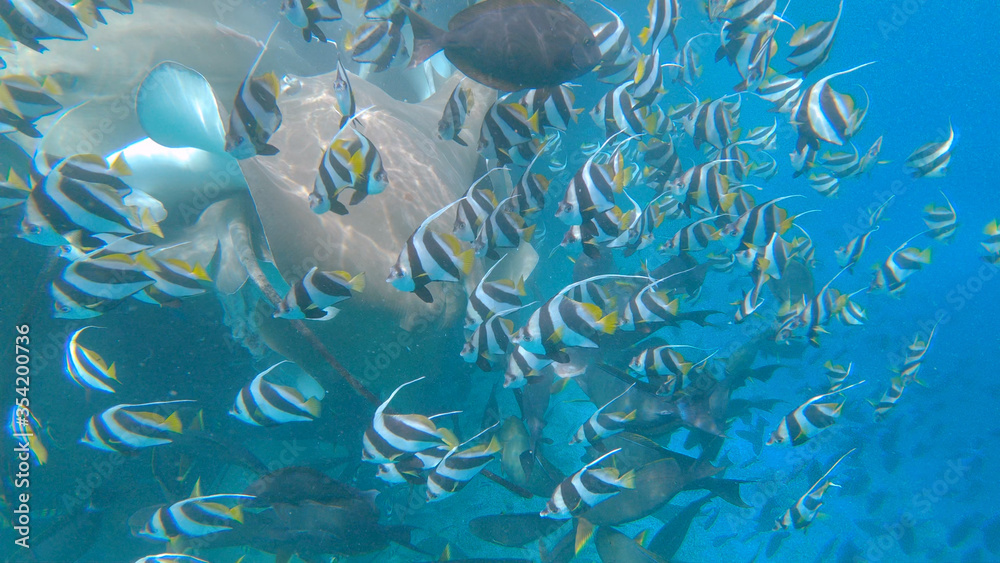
753,331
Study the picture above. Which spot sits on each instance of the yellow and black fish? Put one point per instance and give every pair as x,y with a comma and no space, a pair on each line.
124,428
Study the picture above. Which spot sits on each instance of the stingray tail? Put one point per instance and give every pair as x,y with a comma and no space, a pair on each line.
428,38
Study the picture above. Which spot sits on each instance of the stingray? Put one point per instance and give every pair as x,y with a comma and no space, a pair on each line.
115,57
425,173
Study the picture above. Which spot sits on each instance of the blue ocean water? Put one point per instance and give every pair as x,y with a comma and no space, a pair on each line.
918,486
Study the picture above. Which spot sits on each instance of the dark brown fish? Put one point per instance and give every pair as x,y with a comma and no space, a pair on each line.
295,485
659,475
668,540
513,530
511,44
615,546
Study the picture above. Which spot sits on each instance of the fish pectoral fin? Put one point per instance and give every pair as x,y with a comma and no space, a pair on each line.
424,294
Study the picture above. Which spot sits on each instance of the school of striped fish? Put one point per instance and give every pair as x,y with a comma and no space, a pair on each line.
580,249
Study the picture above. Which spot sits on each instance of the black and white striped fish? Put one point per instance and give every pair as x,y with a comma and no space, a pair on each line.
932,159
749,15
379,43
751,299
618,111
391,435
455,112
112,277
263,402
804,511
29,21
812,44
763,138
941,221
663,164
384,9
602,424
692,238
809,419
408,468
755,226
750,53
522,364
889,398
823,114
530,190
852,314
639,232
663,16
174,279
196,517
124,428
603,228
619,57
647,87
314,296
170,557
649,308
504,228
489,297
344,94
892,274
781,90
849,254
591,190
336,173
459,466
554,106
773,257
85,193
992,242
561,323
915,356
69,302
307,14
28,98
473,209
488,341
506,125
429,256
256,115
712,122
661,362
351,161
586,488
837,374
841,164
687,66
825,184
87,368
14,191
704,189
